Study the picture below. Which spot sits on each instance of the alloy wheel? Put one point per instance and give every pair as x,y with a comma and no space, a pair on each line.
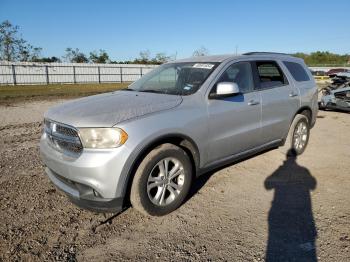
300,136
165,181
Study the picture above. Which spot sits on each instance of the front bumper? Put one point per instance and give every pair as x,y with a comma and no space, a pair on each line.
92,179
83,196
330,102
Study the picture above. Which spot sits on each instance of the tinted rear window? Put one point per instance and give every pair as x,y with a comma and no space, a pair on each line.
270,75
297,71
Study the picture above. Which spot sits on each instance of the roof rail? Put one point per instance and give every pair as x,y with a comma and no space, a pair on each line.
264,53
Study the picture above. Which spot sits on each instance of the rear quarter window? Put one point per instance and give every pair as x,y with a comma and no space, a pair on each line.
297,71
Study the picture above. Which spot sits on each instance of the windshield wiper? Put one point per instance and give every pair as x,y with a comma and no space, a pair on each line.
151,91
128,89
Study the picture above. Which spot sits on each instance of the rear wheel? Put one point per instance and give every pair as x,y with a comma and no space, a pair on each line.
298,136
162,181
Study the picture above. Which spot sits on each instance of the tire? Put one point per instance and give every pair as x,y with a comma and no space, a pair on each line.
291,146
155,192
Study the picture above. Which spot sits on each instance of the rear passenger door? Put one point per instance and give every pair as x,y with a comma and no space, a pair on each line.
280,100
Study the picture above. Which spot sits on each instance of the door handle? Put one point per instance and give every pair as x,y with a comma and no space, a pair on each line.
253,102
293,94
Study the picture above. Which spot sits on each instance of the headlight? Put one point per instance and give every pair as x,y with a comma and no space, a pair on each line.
102,137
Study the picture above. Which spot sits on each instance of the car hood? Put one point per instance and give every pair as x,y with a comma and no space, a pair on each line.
340,90
109,109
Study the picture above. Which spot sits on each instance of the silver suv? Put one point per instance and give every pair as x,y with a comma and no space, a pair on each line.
146,144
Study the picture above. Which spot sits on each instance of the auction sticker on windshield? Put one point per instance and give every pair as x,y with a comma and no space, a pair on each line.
203,66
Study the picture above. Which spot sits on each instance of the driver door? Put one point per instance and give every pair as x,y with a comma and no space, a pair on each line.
234,122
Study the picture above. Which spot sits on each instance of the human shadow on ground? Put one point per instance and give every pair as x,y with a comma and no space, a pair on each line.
292,231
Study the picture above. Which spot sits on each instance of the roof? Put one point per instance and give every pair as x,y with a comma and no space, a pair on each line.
221,58
265,53
212,58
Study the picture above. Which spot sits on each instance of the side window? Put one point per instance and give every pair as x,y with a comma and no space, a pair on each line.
241,74
270,75
297,71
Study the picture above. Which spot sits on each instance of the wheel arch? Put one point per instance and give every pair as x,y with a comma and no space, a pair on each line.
306,111
180,140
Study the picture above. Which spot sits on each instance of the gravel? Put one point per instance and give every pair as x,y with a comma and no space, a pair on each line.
263,206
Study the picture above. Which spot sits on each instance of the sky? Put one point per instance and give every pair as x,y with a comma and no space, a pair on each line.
178,27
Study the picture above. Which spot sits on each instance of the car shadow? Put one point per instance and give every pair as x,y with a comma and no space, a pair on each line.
291,227
200,181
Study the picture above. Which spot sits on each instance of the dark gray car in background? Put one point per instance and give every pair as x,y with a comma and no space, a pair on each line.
146,144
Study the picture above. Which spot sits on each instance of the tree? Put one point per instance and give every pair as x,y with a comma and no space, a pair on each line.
99,58
323,58
202,51
13,47
8,41
27,52
145,56
52,59
160,58
75,56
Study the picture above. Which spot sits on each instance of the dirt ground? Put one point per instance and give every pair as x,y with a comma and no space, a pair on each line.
266,207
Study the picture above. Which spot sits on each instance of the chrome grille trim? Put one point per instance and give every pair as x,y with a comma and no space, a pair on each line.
63,138
66,131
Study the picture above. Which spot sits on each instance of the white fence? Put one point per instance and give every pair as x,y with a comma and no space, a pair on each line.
22,73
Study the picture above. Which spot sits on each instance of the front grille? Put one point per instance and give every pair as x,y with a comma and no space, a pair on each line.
62,137
72,147
344,95
67,131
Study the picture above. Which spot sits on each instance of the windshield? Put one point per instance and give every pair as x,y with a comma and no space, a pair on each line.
175,78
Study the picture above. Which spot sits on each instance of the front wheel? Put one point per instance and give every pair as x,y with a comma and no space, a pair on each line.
162,181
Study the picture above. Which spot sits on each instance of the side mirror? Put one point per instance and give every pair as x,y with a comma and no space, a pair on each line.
225,89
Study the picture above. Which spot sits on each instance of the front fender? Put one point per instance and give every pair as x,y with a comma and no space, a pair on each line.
189,123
